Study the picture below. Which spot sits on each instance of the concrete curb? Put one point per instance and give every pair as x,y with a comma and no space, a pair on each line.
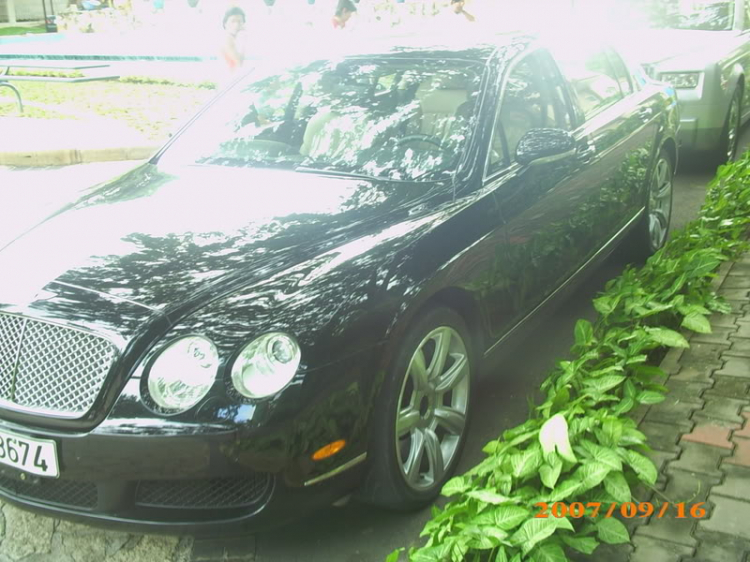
62,157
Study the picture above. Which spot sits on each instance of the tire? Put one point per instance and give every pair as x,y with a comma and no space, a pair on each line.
727,148
650,234
407,472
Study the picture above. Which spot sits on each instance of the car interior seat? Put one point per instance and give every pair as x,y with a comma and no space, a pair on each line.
440,100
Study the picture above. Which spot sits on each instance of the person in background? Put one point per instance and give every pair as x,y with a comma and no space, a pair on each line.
344,11
458,8
233,49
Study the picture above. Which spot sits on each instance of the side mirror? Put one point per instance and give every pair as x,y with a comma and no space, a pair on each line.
550,144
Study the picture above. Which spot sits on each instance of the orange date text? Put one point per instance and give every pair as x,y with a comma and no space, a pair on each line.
628,510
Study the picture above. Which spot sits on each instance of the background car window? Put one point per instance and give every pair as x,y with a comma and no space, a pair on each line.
594,81
533,97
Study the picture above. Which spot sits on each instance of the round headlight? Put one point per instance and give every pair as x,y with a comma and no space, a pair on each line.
183,373
266,365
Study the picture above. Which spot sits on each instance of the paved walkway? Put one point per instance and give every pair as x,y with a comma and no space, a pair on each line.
700,437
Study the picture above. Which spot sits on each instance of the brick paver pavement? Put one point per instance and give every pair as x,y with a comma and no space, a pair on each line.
700,436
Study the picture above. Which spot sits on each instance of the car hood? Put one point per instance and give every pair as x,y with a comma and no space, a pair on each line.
163,239
682,46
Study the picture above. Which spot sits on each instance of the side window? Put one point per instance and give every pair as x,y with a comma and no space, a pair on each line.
621,72
594,81
533,97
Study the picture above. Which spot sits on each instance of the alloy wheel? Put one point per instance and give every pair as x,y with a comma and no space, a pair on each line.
733,127
432,408
660,203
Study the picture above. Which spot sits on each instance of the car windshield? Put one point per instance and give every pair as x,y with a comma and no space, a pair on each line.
680,14
397,118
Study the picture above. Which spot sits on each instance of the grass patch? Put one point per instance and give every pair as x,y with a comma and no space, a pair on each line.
21,30
156,110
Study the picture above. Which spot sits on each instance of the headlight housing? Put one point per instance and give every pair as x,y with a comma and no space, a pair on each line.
682,80
183,373
266,365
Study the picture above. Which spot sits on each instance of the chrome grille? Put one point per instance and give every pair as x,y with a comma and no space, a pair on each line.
10,336
203,494
60,492
51,368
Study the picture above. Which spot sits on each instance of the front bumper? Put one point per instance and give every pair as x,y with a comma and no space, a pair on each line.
693,137
702,115
204,478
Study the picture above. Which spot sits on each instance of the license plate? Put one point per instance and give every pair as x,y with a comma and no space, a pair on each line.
37,456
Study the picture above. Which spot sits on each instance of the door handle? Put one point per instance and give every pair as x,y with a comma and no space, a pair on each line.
586,152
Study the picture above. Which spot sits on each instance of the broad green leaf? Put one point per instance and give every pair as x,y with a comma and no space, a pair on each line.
606,305
611,531
603,384
528,425
636,359
501,555
642,466
591,474
516,558
477,538
587,545
548,552
628,389
617,487
394,556
488,496
554,436
535,530
605,370
667,337
491,447
457,485
632,436
702,264
603,455
521,438
459,550
697,322
562,397
526,463
649,397
625,405
508,517
687,309
436,553
584,333
550,474
564,490
677,285
612,429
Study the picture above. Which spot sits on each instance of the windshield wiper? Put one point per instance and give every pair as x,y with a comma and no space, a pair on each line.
335,172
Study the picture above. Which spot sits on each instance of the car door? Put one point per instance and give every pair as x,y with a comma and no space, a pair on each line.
549,210
619,121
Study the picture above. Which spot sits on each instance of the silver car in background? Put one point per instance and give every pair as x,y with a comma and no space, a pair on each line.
702,48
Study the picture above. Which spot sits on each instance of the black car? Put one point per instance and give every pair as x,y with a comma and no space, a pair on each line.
289,303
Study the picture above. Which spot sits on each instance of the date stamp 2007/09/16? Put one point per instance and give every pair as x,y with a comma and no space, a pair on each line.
628,510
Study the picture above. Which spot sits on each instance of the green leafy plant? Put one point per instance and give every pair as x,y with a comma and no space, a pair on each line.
579,445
